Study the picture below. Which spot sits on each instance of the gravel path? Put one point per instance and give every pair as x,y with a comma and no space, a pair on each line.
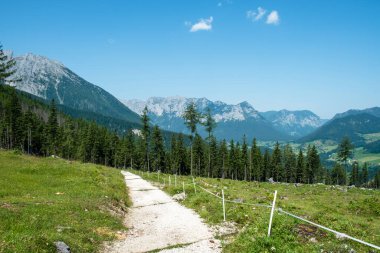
156,222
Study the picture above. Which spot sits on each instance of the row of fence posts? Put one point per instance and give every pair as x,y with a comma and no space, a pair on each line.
223,199
271,213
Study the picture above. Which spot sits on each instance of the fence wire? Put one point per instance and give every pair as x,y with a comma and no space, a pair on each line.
280,210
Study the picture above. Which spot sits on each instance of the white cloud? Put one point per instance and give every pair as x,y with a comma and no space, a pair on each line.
256,15
273,18
202,25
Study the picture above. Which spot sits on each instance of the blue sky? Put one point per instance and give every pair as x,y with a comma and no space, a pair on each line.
318,55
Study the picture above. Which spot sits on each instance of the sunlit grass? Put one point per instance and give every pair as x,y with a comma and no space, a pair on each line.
43,200
355,212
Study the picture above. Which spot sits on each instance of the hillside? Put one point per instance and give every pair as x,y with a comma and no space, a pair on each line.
352,212
40,106
375,111
233,121
50,79
44,200
352,126
114,124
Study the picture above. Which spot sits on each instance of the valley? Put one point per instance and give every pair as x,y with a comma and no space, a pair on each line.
189,126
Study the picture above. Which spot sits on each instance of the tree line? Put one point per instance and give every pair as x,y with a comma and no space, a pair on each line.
34,128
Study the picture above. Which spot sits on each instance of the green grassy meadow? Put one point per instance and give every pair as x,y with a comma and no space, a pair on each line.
362,156
371,137
355,212
43,200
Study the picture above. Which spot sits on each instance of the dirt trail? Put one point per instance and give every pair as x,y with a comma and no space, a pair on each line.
156,222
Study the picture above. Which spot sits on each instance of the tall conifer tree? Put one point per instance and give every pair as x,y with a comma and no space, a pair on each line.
145,132
192,118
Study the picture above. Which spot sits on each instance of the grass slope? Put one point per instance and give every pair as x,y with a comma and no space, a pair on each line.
43,200
355,212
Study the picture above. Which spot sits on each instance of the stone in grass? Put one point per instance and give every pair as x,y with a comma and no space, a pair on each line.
179,197
270,180
239,200
313,240
62,247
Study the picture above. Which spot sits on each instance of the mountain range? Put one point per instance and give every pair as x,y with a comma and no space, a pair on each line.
232,120
49,79
354,124
294,123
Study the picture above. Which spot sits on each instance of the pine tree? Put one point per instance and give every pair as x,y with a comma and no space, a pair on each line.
290,163
354,180
244,158
232,160
223,158
145,132
7,68
127,150
364,174
256,163
68,140
313,165
14,119
276,164
213,156
376,180
140,158
338,175
192,118
300,168
210,125
239,174
267,167
182,156
198,156
345,151
158,152
52,129
174,155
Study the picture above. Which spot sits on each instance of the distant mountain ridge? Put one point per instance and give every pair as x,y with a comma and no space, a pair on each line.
294,123
175,106
50,79
243,118
375,111
352,124
233,120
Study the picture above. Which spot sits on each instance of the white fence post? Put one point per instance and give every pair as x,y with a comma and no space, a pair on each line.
195,189
183,187
224,207
271,213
